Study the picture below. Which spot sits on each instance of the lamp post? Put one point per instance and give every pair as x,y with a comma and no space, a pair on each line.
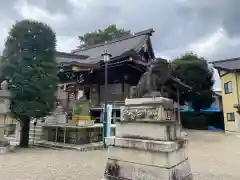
106,57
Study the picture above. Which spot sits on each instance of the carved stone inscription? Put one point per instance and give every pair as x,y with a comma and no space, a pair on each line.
147,113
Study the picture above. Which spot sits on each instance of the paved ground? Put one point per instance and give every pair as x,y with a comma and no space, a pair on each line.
213,156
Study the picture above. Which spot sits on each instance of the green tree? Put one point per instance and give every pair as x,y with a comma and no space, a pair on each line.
194,71
100,36
30,68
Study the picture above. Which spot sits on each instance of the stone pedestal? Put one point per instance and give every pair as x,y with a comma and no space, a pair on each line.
2,127
148,143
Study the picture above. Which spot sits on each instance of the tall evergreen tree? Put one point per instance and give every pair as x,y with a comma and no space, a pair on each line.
30,68
194,71
100,36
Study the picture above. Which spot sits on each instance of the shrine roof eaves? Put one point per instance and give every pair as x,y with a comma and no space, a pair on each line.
64,58
232,64
118,47
71,55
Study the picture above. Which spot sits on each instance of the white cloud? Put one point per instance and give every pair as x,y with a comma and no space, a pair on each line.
162,56
67,43
30,11
82,5
55,20
5,25
209,45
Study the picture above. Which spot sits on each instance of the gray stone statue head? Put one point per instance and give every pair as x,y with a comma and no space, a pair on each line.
4,85
159,65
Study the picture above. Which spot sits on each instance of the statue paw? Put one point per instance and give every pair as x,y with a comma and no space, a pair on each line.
153,94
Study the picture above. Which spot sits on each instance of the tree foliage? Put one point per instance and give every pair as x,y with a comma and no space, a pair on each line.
100,36
194,71
31,71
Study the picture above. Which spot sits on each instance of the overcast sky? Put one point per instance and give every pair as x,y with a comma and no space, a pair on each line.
210,28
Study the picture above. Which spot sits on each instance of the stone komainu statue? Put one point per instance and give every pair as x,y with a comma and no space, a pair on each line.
152,81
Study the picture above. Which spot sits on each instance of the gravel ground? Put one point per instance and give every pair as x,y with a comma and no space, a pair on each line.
213,156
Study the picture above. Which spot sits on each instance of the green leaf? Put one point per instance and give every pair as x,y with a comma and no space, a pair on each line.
194,71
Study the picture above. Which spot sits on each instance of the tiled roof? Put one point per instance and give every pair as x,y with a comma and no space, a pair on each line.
67,59
116,47
63,57
228,64
70,55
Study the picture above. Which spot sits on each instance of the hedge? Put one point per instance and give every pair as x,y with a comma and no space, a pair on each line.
201,120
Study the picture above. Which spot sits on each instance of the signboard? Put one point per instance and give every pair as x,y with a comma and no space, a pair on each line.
109,119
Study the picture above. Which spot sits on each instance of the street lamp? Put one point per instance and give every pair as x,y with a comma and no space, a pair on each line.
106,58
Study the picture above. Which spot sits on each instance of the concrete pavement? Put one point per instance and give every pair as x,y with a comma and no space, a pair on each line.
213,156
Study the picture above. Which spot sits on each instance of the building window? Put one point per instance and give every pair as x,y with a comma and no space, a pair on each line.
230,116
228,87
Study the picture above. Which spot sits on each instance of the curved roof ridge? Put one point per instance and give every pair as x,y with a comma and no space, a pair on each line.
70,55
145,32
225,60
227,64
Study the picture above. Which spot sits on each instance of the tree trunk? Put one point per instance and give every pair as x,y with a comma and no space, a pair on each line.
24,136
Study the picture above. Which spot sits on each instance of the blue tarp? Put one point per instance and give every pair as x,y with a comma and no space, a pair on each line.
210,110
212,128
202,110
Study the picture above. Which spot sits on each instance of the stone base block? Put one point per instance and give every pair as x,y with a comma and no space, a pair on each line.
161,159
147,145
117,169
146,101
162,131
2,132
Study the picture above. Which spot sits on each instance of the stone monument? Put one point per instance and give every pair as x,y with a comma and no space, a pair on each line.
148,144
60,115
81,111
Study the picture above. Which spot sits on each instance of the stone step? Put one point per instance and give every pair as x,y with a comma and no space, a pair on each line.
37,127
36,135
147,145
155,131
36,130
129,170
14,142
162,159
35,139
